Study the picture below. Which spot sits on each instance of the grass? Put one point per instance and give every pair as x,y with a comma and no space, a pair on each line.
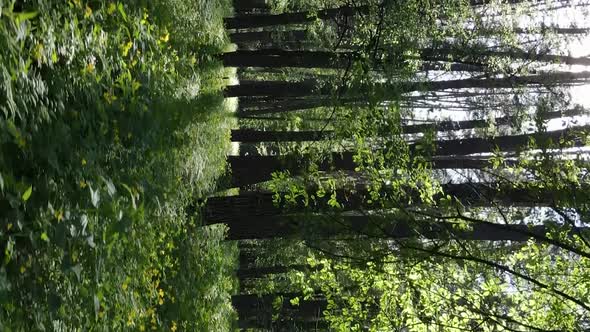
111,124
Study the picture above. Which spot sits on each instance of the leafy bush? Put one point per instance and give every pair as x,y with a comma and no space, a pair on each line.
105,109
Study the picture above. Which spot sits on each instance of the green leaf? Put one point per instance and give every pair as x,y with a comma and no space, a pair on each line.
25,16
1,183
44,237
27,194
122,11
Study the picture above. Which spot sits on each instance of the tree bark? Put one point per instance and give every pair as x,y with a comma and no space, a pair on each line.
254,169
248,6
261,272
254,136
249,170
534,30
321,227
258,21
256,311
273,58
275,89
552,139
457,54
282,58
246,259
267,37
310,87
464,60
287,105
247,212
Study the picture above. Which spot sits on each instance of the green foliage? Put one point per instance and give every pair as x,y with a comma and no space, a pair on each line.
440,291
107,114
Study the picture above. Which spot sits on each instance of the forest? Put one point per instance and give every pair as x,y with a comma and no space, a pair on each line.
294,165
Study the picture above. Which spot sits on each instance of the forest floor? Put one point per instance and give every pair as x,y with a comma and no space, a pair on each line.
112,124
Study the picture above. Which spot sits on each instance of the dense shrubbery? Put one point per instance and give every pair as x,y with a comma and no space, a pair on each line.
105,108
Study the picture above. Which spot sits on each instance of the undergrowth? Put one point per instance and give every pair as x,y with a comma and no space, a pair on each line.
111,123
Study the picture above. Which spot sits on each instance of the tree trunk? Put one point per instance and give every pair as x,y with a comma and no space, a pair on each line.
549,79
257,204
286,40
272,58
261,272
465,61
246,259
454,67
248,170
457,54
275,89
258,21
249,6
322,227
249,212
310,87
281,58
268,37
254,107
256,311
534,30
254,136
553,139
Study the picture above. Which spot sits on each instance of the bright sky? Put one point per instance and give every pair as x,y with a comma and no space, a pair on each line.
577,48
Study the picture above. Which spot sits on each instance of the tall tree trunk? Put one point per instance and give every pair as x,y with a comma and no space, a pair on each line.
246,259
247,212
267,37
282,58
460,54
275,89
261,272
248,170
326,226
552,139
258,21
548,79
288,105
272,58
248,6
286,40
310,87
254,136
257,204
454,67
252,307
465,60
536,30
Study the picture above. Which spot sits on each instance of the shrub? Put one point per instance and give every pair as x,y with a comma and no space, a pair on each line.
104,114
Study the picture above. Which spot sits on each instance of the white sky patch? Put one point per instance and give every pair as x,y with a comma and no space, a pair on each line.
576,15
